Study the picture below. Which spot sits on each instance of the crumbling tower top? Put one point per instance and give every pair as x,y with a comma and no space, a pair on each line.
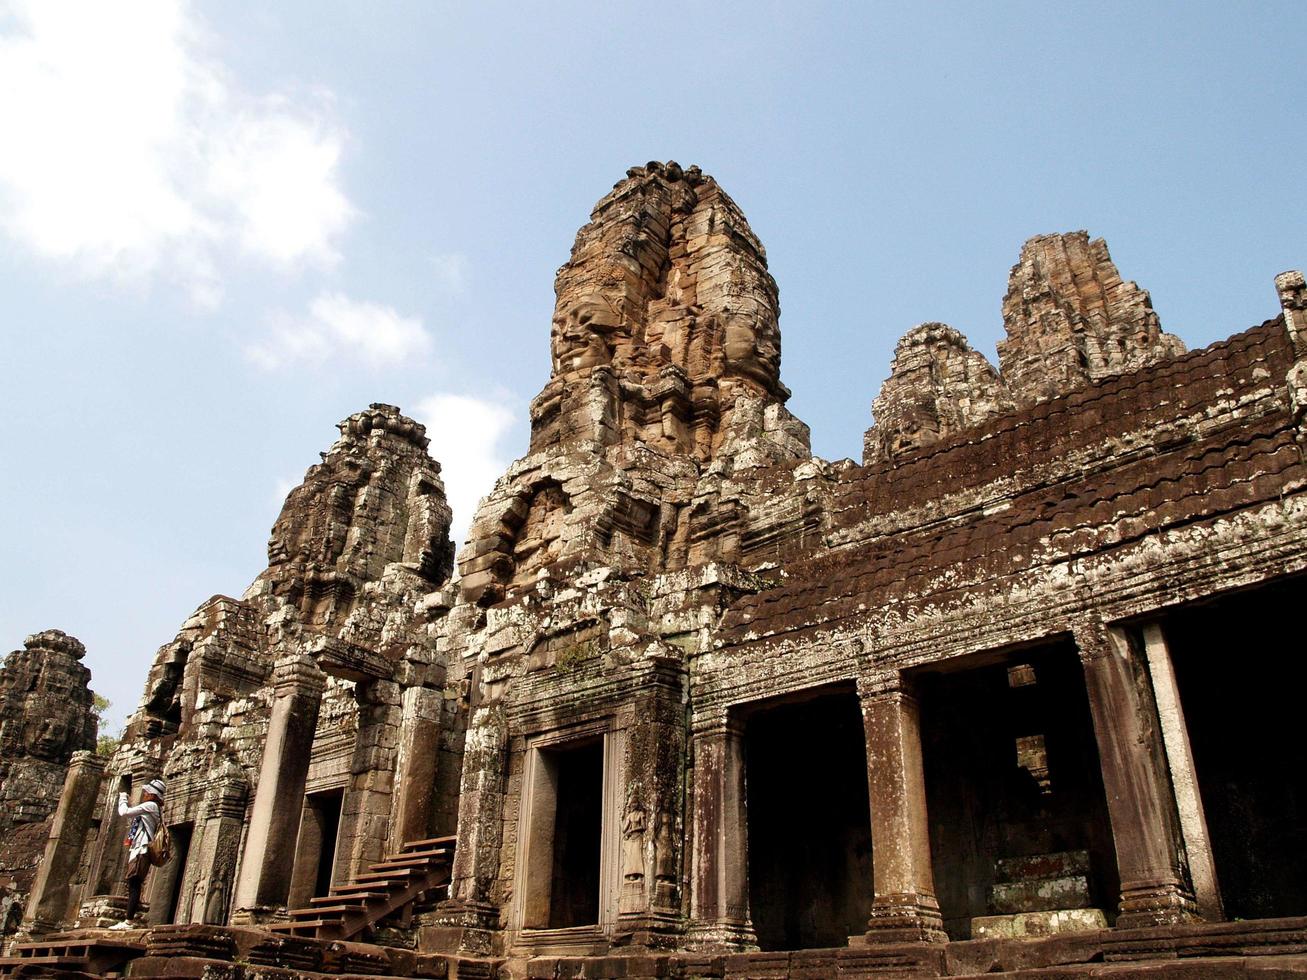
665,315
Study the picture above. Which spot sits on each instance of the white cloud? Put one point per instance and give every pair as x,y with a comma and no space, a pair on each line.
337,326
130,153
451,272
465,433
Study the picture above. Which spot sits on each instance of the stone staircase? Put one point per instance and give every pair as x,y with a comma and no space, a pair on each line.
1040,895
387,887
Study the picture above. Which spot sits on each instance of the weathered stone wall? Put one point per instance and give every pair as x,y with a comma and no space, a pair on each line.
357,544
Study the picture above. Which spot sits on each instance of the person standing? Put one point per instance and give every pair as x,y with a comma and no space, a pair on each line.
147,818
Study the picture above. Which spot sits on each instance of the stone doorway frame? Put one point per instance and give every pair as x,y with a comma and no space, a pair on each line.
536,816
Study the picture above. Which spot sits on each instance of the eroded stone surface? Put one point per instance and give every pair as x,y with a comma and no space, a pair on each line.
45,716
1070,319
937,385
666,565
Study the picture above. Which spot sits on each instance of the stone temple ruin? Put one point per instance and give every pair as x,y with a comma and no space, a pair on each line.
1013,696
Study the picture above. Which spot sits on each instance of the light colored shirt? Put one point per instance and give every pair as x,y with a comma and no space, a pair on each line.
144,827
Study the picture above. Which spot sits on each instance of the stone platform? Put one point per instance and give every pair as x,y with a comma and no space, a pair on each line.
1267,949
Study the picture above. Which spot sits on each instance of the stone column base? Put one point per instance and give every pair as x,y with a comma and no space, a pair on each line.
460,927
730,937
102,911
906,919
259,915
1156,903
647,931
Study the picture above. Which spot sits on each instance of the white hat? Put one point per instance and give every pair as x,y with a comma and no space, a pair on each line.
155,786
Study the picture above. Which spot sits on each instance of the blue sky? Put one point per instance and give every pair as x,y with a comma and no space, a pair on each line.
225,227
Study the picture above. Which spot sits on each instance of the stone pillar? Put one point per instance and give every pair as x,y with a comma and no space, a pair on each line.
904,908
1140,802
216,848
719,886
270,844
649,786
1184,777
468,921
47,907
106,888
419,755
365,809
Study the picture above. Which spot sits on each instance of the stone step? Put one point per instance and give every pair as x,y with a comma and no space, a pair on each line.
1032,925
380,885
394,875
1040,895
384,889
296,925
1057,864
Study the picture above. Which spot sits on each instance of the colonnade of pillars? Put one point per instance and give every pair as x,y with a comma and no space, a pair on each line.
387,800
1152,799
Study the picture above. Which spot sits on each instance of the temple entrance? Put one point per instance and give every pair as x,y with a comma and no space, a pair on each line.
315,850
564,843
1018,815
1234,661
166,890
809,822
574,889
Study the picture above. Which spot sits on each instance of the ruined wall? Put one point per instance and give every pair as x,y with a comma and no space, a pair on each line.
45,716
1070,319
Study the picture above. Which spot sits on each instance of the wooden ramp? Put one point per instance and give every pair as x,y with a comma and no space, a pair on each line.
387,888
98,954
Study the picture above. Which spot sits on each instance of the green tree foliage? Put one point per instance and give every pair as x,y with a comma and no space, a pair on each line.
105,745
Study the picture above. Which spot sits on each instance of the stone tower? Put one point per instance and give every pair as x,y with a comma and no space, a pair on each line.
1070,319
45,716
666,366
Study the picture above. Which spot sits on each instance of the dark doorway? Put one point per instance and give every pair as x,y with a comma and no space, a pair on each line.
1014,789
1235,660
809,823
167,890
315,850
326,807
574,883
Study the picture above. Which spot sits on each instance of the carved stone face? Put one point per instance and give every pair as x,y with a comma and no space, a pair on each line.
48,737
919,429
327,496
751,346
581,334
